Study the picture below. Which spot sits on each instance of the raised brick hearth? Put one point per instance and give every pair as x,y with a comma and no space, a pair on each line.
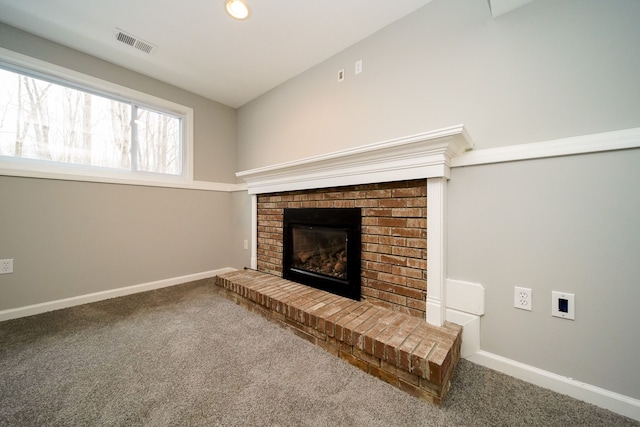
394,237
400,349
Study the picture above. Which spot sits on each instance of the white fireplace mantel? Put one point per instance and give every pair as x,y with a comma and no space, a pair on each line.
425,155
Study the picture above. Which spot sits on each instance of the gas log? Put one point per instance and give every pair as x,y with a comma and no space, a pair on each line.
328,259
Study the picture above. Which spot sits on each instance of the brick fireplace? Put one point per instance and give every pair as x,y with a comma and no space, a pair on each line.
394,237
399,188
403,253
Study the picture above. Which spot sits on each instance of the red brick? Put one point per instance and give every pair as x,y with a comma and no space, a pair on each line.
384,231
393,241
369,292
420,264
382,339
395,260
413,273
380,325
393,298
417,284
417,243
369,274
408,252
411,191
418,304
392,222
371,266
415,294
384,375
354,329
330,321
370,238
417,202
392,278
358,363
377,212
391,346
392,203
370,256
381,249
419,355
366,203
323,313
347,319
378,194
409,232
420,393
404,212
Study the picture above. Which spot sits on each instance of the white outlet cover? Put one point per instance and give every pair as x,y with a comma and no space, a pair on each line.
522,298
570,313
6,266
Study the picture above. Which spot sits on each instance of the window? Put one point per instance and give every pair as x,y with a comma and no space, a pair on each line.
84,126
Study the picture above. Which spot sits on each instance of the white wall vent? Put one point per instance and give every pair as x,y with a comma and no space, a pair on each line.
135,42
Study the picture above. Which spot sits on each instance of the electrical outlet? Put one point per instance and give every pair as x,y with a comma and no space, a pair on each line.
341,75
522,298
6,266
358,67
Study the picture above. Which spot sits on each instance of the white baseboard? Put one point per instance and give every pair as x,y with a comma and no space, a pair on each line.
29,310
615,402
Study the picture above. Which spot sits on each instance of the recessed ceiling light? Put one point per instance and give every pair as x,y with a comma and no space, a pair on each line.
237,9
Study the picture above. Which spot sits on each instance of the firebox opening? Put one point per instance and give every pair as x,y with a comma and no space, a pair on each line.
321,248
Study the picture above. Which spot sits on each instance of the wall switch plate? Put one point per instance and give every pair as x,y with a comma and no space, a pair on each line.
245,245
341,75
6,266
563,305
522,298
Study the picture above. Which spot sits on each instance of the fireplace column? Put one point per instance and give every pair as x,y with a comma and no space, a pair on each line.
254,231
436,250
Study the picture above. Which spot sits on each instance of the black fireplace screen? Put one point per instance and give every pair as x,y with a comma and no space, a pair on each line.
321,248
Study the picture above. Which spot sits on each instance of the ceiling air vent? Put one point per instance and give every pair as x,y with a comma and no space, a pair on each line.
135,42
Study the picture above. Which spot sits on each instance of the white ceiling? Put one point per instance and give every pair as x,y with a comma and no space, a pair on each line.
203,50
199,47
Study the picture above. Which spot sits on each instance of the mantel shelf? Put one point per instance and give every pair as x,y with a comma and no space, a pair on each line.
425,155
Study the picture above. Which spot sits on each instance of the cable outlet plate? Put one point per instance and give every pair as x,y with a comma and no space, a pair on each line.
563,305
6,266
522,298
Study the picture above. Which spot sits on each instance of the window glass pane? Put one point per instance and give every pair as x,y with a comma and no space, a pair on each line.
159,142
45,121
42,120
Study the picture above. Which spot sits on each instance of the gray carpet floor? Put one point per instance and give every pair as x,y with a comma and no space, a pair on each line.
185,356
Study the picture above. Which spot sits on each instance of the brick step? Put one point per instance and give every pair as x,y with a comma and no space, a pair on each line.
400,349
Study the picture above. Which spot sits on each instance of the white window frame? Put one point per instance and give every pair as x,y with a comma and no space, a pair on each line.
12,166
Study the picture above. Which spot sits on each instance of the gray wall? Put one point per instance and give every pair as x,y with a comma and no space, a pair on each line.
548,70
568,224
241,226
74,238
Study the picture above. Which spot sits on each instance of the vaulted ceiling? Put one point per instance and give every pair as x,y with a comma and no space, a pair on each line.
195,45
